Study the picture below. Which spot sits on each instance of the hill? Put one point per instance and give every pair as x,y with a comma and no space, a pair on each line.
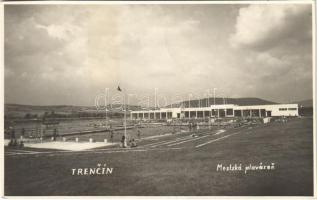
305,103
34,111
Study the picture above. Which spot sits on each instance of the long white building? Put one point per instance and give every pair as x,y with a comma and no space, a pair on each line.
226,110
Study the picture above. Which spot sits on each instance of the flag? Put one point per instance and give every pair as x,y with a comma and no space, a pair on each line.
119,89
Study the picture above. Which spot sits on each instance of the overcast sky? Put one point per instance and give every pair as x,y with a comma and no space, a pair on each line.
69,54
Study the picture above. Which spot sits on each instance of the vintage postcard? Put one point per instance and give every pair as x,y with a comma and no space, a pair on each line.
159,99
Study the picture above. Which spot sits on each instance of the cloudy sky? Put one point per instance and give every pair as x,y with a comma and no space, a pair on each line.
69,54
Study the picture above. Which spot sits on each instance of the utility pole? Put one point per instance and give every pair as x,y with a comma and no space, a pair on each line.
215,96
215,101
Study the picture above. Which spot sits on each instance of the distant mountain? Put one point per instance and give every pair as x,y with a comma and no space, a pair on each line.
18,110
49,108
305,103
63,108
219,101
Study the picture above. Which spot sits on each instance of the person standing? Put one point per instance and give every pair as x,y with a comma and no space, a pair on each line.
12,133
55,134
123,141
111,136
12,136
23,132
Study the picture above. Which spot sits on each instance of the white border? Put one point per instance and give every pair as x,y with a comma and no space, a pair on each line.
2,97
156,2
311,2
314,94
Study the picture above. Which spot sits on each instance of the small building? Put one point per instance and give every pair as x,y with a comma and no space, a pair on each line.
218,111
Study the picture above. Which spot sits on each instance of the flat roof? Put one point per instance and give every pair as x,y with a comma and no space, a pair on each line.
219,106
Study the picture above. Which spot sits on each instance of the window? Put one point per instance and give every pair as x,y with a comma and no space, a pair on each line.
292,108
229,111
169,115
282,109
186,114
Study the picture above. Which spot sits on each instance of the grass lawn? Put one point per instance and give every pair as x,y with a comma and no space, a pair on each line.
185,171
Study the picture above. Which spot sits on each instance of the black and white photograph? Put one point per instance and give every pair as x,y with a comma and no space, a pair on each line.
158,99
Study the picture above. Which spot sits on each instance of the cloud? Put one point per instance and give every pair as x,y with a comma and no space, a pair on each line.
264,27
68,54
276,42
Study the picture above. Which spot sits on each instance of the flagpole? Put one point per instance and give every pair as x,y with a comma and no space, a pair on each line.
125,122
125,117
106,109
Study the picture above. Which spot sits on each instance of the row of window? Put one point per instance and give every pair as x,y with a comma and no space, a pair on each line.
284,109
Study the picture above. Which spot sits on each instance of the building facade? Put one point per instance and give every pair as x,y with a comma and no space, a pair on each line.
218,111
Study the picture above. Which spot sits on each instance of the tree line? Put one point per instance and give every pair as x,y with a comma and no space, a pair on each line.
53,115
